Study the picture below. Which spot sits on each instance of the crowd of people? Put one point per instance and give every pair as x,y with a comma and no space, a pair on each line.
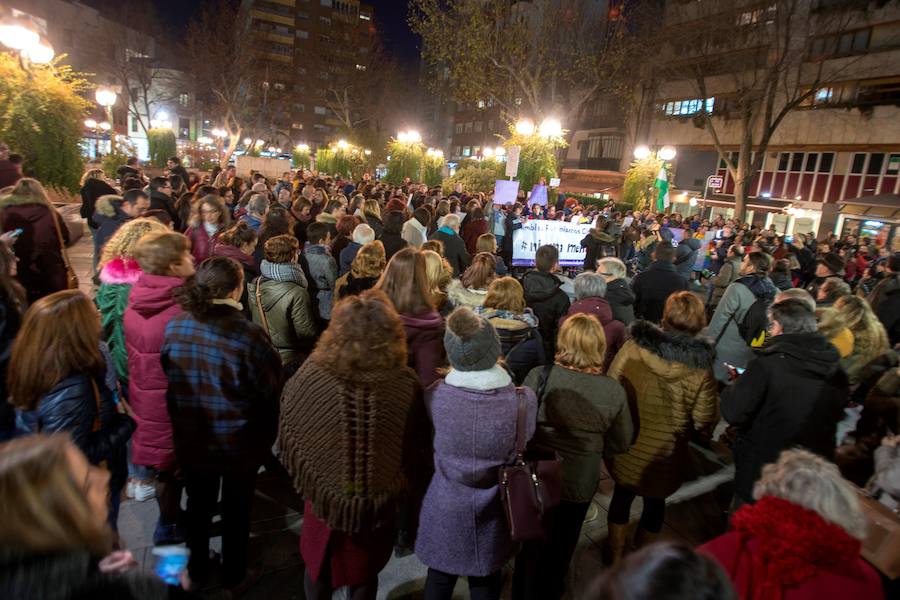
374,341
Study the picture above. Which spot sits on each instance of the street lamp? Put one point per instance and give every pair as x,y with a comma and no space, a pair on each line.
642,152
550,128
106,97
525,127
40,53
409,137
367,152
16,33
104,125
666,153
500,151
343,144
90,123
248,141
302,148
488,152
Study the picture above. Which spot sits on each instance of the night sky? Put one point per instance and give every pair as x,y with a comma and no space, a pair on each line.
390,18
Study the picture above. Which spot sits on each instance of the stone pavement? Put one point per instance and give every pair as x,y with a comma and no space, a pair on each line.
694,514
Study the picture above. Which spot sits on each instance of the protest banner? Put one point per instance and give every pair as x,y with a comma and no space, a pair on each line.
565,236
505,192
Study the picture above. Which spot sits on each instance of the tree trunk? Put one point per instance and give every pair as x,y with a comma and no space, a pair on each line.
233,139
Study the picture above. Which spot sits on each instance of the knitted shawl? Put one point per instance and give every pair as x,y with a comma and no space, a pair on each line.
347,443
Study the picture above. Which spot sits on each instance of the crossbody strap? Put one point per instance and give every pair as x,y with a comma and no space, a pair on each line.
520,425
59,235
542,384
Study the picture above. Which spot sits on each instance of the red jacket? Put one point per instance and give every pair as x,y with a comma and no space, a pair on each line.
425,345
42,269
472,231
201,242
613,329
781,551
150,308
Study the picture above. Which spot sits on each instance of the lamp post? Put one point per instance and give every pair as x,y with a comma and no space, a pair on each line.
24,34
106,97
97,128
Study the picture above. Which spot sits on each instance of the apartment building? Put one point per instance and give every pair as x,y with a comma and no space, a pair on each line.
310,48
834,162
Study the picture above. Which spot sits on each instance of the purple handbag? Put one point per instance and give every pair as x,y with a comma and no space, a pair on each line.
531,485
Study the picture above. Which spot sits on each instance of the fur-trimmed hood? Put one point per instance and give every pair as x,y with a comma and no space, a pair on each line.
120,271
14,200
459,295
106,207
670,354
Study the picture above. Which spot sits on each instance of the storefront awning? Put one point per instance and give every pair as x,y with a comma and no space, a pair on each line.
884,206
585,181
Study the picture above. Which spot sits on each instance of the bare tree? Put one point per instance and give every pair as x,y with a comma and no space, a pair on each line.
758,62
540,57
226,73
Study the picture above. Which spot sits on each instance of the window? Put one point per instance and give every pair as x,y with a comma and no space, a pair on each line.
859,160
602,152
456,151
811,159
296,125
840,44
826,162
478,125
321,128
760,15
458,128
302,15
134,93
783,160
467,151
326,3
365,17
134,125
476,150
320,110
691,106
183,99
279,86
184,127
299,107
325,21
876,161
797,162
518,102
303,35
360,67
481,104
893,167
469,126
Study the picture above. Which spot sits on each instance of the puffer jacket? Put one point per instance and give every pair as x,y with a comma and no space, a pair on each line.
42,269
621,300
544,295
323,273
109,217
289,315
520,340
91,191
613,330
459,295
150,308
71,407
885,301
672,393
116,279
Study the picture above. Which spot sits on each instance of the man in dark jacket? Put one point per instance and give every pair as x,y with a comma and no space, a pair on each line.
131,168
454,247
543,294
112,211
830,266
792,394
686,255
161,199
175,168
885,299
654,286
805,257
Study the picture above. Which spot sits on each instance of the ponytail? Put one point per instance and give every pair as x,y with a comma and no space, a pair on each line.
215,279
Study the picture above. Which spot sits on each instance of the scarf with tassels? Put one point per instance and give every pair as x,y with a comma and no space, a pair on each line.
794,544
346,442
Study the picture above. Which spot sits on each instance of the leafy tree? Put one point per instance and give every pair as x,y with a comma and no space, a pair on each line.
162,146
639,188
113,160
300,159
432,169
472,179
41,114
537,157
406,160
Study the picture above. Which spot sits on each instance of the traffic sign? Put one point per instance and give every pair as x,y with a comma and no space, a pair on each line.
715,182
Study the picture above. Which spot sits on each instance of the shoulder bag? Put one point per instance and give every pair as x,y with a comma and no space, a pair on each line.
71,277
259,306
531,486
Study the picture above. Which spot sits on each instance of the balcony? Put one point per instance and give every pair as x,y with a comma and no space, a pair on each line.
268,13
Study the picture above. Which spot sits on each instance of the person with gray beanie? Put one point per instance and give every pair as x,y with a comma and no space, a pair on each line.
462,530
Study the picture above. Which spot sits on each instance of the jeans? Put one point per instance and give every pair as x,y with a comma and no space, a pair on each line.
238,483
620,510
168,499
542,565
439,586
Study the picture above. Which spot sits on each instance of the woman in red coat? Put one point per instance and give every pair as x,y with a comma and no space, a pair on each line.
42,269
165,259
206,226
801,539
476,226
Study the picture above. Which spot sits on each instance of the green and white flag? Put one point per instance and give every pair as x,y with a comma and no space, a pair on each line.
662,184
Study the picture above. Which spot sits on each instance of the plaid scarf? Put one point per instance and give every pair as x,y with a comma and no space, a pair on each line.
283,272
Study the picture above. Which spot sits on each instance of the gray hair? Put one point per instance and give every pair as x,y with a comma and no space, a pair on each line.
258,204
797,294
794,316
363,234
589,285
613,266
810,481
451,221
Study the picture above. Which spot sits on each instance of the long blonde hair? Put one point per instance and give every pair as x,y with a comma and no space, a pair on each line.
44,509
369,261
91,174
123,241
869,337
31,189
438,272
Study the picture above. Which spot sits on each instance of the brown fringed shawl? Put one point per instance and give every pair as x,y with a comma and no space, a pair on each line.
347,443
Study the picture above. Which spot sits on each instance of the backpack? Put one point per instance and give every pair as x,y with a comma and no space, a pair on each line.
754,327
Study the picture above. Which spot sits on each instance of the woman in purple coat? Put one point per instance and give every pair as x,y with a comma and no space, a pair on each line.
462,528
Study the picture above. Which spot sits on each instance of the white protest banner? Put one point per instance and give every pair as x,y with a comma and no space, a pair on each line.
512,160
505,192
565,236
